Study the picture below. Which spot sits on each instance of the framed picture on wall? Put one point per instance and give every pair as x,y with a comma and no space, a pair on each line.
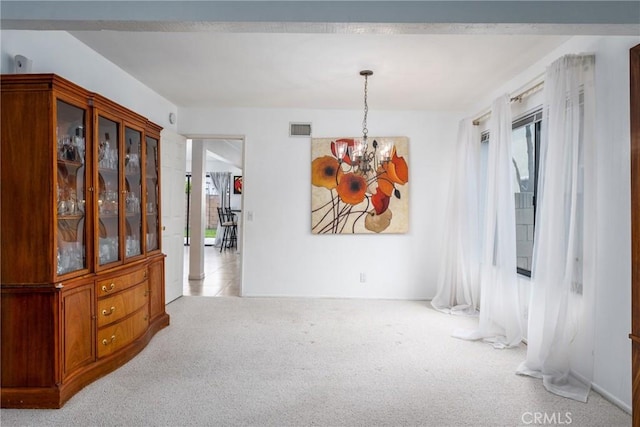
359,189
237,184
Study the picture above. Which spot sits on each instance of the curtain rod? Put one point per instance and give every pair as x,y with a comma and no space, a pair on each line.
519,97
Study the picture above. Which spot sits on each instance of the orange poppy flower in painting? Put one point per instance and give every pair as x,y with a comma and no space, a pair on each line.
397,169
352,188
380,201
325,172
385,185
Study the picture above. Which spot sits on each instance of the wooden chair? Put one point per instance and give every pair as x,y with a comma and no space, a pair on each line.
233,230
229,233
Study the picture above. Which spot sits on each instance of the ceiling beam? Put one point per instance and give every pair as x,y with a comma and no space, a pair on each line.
587,17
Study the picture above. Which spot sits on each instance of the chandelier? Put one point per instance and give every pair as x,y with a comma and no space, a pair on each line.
365,161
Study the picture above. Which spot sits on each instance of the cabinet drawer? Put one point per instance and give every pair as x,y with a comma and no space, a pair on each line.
122,304
115,284
118,335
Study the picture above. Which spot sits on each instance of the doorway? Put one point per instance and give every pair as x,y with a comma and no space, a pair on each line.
212,270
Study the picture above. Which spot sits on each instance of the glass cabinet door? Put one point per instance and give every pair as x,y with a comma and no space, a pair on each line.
153,222
108,187
133,192
71,188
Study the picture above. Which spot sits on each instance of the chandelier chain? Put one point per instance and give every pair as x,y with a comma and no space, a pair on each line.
366,110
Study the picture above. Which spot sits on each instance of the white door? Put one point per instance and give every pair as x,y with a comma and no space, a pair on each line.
173,149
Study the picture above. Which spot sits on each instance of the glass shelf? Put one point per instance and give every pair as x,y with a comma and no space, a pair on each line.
70,217
72,163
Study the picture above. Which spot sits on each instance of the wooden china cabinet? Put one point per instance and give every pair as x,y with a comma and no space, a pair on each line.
82,278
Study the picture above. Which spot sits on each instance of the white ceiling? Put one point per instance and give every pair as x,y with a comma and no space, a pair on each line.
297,70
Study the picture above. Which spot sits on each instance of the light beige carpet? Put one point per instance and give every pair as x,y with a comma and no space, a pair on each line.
316,362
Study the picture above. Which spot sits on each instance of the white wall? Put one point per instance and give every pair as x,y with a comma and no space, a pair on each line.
281,257
61,53
612,371
612,354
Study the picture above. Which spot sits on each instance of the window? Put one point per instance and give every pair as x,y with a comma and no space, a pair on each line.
525,142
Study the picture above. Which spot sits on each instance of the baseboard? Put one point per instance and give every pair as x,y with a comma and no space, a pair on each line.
608,396
611,398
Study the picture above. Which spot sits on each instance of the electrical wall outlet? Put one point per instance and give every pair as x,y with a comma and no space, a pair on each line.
363,277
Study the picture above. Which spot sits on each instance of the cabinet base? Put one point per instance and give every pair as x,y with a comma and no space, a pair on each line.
55,397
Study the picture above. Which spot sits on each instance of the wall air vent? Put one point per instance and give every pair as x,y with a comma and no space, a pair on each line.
299,129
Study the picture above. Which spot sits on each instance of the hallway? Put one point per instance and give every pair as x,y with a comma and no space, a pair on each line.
222,274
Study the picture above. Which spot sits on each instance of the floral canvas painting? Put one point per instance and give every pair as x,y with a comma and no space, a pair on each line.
359,194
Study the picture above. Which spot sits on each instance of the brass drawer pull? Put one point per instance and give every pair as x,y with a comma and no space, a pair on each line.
106,342
108,313
109,289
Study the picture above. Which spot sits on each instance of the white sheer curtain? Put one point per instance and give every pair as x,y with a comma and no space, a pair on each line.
561,311
500,321
459,277
220,182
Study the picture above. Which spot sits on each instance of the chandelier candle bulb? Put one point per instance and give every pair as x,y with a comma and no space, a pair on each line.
341,150
386,148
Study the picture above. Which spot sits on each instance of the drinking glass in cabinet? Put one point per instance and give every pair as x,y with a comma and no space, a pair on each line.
132,246
108,250
132,203
70,257
108,202
152,241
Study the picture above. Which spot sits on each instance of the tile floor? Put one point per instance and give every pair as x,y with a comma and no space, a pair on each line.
221,274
